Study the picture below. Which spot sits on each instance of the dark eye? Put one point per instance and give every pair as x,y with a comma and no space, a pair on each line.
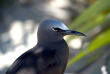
57,29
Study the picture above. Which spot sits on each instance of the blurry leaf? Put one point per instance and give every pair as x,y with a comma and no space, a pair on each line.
85,22
98,42
97,8
97,14
91,1
99,20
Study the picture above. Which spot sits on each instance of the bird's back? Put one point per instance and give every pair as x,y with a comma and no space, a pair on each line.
42,60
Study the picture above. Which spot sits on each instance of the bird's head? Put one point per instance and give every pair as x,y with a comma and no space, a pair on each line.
53,30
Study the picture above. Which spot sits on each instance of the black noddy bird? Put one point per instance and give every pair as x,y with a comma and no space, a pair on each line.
50,55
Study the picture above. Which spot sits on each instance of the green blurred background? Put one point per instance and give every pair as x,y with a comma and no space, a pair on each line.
19,20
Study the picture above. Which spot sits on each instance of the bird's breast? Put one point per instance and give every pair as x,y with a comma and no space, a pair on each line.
61,53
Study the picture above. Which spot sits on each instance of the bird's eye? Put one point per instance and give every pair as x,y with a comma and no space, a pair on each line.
57,29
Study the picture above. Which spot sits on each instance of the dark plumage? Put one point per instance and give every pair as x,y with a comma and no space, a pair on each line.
50,55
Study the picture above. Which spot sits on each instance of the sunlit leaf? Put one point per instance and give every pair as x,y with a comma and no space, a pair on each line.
97,8
101,40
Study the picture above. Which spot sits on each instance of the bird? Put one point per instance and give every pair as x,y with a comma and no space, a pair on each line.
50,55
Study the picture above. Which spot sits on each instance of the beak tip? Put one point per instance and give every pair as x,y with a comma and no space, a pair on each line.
71,32
81,34
85,35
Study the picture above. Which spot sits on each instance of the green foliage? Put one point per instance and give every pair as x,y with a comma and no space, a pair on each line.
98,42
97,15
91,12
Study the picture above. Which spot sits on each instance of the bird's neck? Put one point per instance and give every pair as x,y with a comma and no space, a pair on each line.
47,41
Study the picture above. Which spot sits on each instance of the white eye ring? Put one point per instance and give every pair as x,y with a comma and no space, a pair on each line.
57,29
